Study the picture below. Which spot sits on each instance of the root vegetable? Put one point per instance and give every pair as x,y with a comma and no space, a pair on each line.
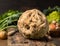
33,24
52,27
3,34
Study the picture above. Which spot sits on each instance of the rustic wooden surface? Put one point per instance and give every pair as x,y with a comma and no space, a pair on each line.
3,42
17,39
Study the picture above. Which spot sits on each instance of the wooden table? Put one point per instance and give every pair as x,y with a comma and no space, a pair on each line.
18,40
3,42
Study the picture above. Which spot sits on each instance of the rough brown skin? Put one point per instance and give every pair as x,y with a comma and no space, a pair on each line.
33,24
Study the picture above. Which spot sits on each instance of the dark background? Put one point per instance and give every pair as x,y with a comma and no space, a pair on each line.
27,4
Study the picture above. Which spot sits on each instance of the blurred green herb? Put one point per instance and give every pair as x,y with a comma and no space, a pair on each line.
9,19
52,14
49,10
